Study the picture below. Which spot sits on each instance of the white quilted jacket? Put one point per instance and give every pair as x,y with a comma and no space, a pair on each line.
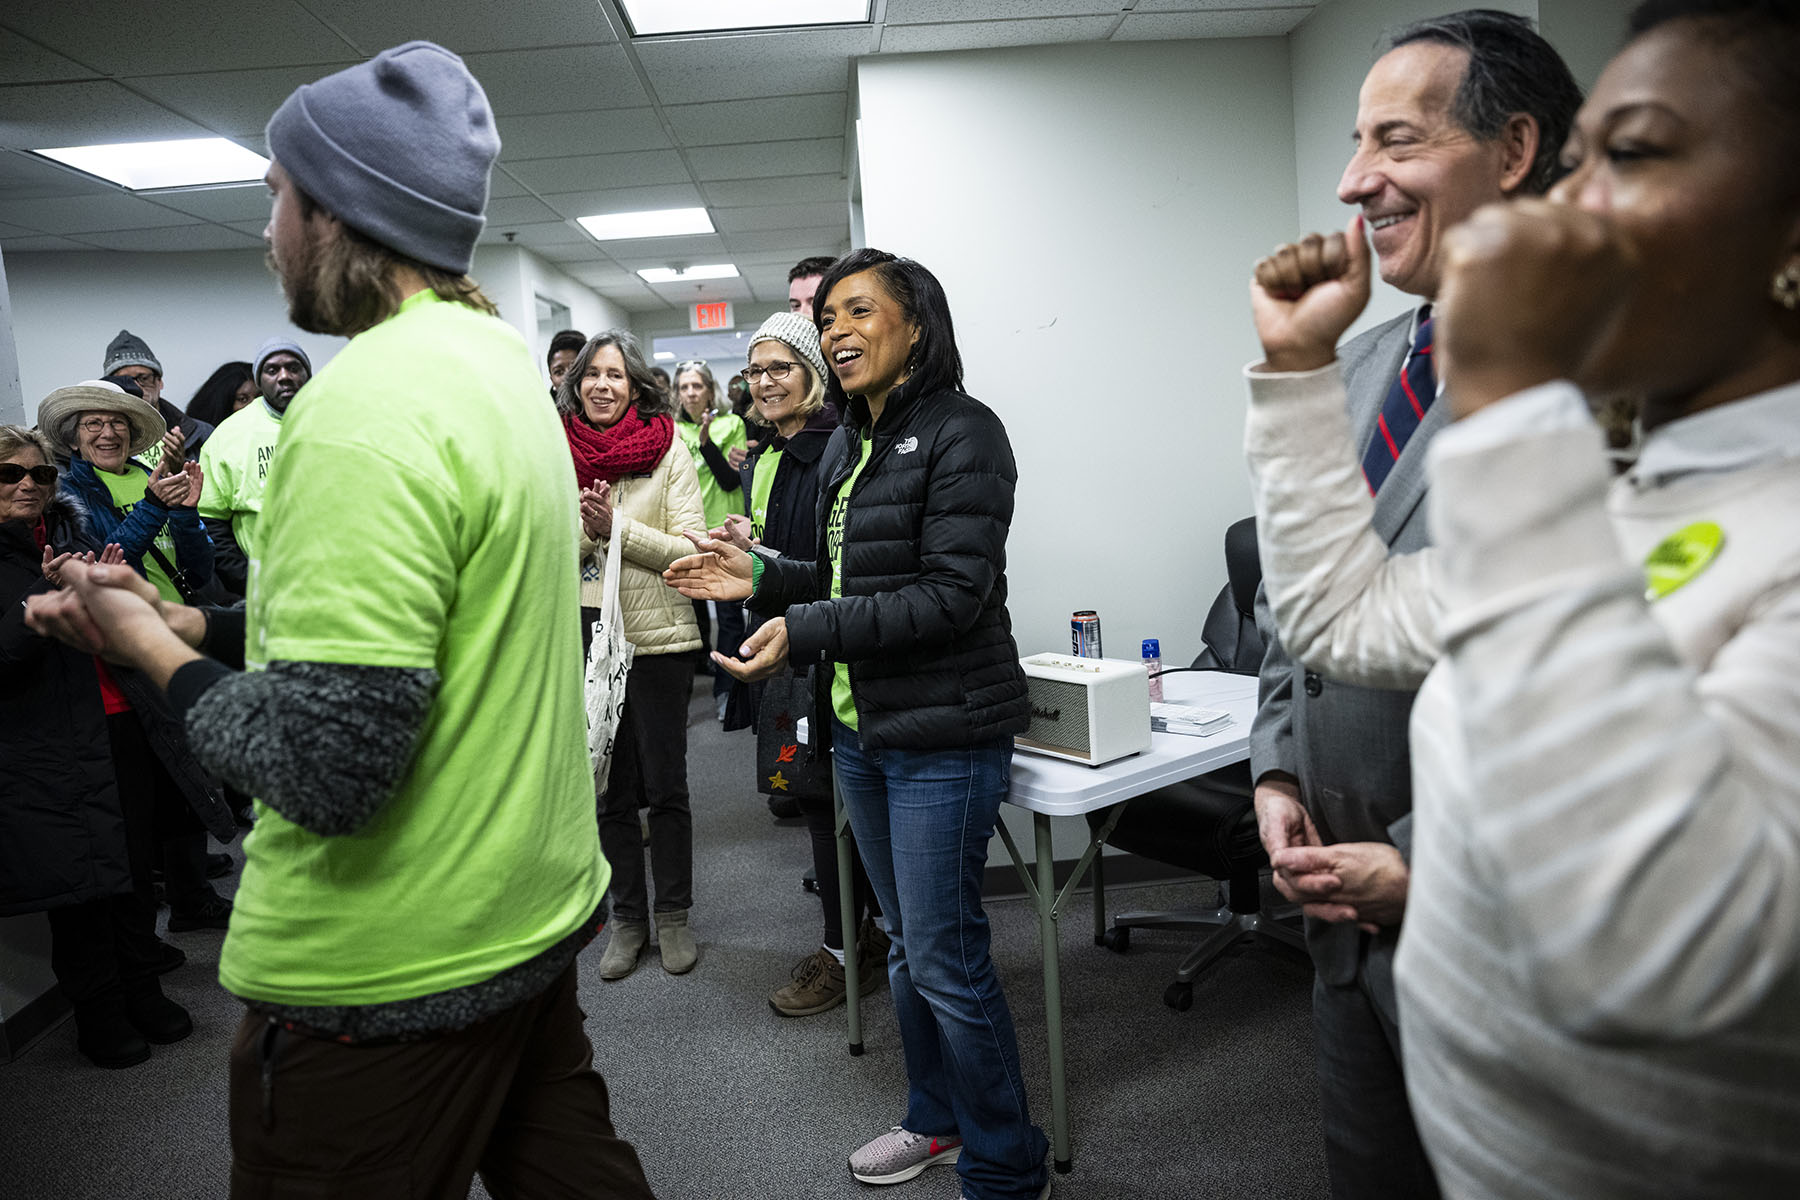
655,508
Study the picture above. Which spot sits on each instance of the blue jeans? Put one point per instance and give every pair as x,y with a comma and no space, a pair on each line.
922,820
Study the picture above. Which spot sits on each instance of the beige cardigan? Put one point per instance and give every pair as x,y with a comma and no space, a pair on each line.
654,510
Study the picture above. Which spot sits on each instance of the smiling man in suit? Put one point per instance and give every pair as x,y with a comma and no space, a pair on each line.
1461,111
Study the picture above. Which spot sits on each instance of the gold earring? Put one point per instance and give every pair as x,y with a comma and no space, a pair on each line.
1785,288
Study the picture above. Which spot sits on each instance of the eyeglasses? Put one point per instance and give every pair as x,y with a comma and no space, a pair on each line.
102,424
775,370
11,473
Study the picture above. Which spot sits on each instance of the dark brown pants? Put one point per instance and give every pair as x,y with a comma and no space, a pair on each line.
515,1098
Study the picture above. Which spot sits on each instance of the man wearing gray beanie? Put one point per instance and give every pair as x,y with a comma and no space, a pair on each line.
129,355
426,862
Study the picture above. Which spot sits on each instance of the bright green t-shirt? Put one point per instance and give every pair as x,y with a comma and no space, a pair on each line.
236,461
842,702
423,513
727,432
127,490
761,484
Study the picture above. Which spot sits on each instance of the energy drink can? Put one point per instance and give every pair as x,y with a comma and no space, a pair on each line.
1084,634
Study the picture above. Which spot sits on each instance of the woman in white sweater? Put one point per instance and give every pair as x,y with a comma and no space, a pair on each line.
634,471
1598,979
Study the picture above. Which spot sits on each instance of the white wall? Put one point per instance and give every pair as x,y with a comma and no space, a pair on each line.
12,397
1092,211
196,310
512,277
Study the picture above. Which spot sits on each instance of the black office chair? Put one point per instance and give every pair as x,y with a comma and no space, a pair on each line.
1208,823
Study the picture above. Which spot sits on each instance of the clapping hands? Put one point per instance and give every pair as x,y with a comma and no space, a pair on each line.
112,556
177,484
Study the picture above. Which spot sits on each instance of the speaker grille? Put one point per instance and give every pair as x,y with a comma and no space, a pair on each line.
1059,716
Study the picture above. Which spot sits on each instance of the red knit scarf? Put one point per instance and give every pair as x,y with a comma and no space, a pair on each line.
632,445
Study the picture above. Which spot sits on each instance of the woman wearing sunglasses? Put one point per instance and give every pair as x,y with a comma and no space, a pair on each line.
87,749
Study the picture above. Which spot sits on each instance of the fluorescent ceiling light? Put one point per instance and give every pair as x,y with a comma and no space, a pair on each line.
688,274
650,17
190,162
665,356
666,222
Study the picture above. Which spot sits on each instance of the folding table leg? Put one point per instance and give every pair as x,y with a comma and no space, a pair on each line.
1047,928
847,908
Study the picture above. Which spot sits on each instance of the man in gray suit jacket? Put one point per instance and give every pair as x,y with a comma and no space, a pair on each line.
1461,111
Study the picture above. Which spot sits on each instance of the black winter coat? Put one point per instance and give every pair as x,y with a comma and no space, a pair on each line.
62,835
922,621
790,527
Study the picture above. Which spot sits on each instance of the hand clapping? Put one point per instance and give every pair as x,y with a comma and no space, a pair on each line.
596,510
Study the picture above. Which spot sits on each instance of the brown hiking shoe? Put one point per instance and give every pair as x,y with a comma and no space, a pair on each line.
818,986
872,947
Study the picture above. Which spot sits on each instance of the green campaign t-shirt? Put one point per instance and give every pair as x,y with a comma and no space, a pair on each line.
727,432
236,460
842,703
127,491
762,482
423,513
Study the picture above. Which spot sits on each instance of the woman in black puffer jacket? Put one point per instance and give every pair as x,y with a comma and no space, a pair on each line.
905,604
85,748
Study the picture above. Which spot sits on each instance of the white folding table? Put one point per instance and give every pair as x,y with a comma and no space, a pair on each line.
1051,787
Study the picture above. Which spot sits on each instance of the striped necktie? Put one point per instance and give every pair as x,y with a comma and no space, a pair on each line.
1401,413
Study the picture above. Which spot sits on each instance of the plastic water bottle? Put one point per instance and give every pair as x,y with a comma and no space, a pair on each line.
1153,664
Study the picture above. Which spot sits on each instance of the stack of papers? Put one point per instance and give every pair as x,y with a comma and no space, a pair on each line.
1188,719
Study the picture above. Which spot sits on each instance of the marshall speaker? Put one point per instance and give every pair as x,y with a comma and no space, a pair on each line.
1087,710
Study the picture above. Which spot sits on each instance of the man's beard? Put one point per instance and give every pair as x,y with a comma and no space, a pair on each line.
315,286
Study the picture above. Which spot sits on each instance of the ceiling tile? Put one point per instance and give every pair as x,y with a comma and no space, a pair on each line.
779,189
31,245
612,200
24,61
523,82
181,237
984,35
467,26
567,134
84,214
42,116
235,103
501,184
591,172
567,255
925,12
124,38
753,160
667,252
770,118
782,216
801,243
1168,6
788,63
518,210
1266,22
22,176
601,273
541,235
220,204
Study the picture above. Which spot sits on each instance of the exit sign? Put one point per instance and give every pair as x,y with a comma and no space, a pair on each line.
716,315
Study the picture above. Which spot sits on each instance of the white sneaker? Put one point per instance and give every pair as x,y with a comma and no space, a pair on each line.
900,1154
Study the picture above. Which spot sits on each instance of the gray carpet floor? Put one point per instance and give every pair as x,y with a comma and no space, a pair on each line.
725,1100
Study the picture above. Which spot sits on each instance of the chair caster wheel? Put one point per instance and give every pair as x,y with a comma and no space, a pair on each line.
1179,996
1116,940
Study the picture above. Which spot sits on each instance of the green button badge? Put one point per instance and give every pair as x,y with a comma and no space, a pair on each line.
1681,556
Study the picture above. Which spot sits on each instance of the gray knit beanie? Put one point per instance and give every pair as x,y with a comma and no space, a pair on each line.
277,345
399,148
799,334
128,350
